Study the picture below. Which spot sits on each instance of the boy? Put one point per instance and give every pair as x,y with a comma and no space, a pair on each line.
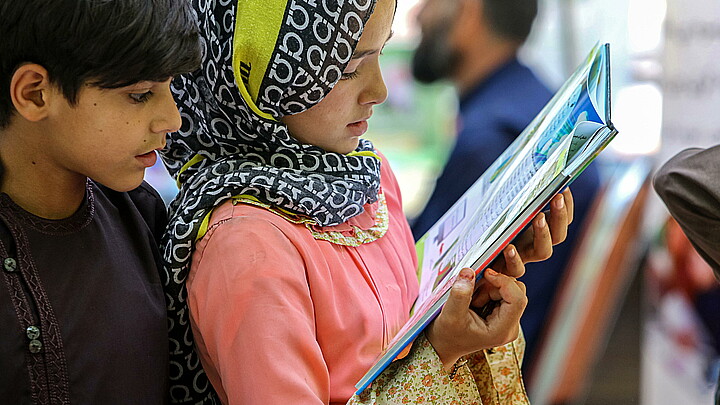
84,104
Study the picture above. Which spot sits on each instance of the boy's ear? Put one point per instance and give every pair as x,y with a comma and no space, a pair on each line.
29,90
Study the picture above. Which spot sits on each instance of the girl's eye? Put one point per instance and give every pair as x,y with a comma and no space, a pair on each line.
348,76
140,97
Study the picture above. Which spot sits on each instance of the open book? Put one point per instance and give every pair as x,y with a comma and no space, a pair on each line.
570,131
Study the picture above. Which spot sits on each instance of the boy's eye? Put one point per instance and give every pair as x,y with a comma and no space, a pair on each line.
141,97
351,75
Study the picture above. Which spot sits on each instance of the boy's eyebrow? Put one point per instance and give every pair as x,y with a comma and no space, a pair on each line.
361,54
145,83
142,83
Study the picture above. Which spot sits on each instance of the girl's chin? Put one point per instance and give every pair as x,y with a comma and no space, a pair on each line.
351,149
344,149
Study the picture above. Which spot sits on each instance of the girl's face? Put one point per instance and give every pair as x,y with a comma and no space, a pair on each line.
337,122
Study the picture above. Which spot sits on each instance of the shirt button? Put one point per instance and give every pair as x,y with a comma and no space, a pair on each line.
33,332
10,265
35,346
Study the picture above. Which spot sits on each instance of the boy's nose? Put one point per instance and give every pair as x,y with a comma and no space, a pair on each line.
168,117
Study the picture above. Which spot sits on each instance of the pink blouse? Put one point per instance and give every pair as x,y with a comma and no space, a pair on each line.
281,317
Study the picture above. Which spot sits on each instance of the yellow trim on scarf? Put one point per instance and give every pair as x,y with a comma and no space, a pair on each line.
257,26
360,237
204,226
289,215
195,159
365,153
248,199
206,221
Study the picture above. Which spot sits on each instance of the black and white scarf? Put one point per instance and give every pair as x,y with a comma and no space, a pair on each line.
262,60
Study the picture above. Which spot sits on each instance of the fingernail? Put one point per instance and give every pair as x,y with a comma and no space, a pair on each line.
491,272
541,221
466,276
512,253
560,202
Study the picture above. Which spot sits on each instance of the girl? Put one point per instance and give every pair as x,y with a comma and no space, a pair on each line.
288,232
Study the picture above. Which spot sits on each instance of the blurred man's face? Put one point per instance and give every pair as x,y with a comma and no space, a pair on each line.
435,58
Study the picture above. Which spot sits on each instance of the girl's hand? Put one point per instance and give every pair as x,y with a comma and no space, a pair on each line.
548,229
460,329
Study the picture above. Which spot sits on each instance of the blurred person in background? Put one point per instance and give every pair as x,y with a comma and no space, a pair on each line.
689,186
474,44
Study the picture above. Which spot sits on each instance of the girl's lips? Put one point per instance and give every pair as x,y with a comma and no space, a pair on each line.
148,159
358,128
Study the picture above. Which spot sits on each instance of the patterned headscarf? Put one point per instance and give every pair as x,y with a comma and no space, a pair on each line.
262,60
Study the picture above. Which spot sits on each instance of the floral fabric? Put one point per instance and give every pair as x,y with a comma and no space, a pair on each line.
490,377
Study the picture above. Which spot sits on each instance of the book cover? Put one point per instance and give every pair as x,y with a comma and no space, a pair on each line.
569,132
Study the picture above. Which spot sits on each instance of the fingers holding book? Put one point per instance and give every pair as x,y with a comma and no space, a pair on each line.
569,204
487,315
562,210
490,319
533,245
514,268
548,229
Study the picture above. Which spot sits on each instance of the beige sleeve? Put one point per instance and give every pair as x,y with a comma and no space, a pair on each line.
490,377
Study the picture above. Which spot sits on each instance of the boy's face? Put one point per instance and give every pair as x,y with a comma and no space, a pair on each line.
340,119
111,135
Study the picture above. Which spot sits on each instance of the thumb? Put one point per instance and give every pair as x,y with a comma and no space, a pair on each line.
461,293
510,291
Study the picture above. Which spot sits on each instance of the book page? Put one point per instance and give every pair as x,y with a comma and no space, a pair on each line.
531,174
468,223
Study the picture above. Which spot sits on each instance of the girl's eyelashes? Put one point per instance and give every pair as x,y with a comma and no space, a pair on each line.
354,73
350,75
141,97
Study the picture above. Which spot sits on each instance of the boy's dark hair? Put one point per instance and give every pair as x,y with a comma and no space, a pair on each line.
105,43
511,19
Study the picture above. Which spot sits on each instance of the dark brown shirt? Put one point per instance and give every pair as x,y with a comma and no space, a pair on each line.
82,312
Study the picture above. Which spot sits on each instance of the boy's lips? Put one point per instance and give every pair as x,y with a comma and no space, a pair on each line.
147,159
